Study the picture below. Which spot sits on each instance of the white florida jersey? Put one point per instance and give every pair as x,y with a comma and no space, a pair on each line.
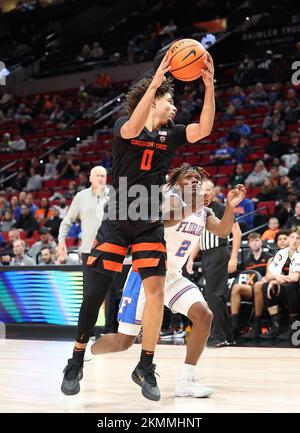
182,238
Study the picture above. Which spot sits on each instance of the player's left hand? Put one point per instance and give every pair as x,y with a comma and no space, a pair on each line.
232,265
208,73
236,195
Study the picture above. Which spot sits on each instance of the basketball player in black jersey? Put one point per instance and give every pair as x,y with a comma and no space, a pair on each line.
144,144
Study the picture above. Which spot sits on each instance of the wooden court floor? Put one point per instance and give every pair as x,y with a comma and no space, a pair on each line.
244,380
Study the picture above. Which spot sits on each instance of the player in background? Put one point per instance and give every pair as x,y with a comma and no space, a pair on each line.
181,295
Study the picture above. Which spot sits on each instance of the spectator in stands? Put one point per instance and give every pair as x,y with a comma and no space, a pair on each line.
30,202
63,208
283,189
7,222
256,261
47,106
246,206
291,112
83,91
50,167
47,257
274,176
273,123
245,71
53,222
238,177
241,129
83,181
282,286
273,229
97,52
238,98
283,171
267,191
292,151
45,241
6,142
20,259
6,251
291,96
34,181
6,101
22,198
295,219
67,167
4,204
72,190
20,181
57,116
242,150
85,53
18,143
26,221
223,154
258,175
43,213
258,97
275,148
14,206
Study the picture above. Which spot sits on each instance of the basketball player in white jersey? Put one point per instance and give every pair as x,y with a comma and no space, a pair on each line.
181,295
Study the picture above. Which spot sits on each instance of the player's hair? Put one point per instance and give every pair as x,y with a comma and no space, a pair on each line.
176,172
135,94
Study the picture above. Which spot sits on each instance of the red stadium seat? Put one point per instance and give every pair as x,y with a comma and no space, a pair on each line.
270,207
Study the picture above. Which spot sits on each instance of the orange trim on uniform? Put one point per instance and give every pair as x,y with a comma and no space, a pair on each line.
144,263
112,266
91,260
112,248
148,246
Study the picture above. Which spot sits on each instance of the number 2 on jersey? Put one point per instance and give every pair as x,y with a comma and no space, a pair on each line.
147,159
183,248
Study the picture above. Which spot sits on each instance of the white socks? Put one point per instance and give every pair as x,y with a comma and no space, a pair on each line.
187,371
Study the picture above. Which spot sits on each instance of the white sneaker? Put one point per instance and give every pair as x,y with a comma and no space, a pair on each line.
88,356
190,387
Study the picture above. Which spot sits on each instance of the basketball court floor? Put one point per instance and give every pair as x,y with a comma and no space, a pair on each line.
245,379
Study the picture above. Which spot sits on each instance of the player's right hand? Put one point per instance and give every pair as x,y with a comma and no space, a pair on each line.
163,68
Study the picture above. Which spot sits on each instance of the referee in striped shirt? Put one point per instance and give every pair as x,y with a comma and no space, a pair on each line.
217,263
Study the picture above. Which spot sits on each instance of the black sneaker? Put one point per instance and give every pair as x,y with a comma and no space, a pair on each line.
272,333
145,378
253,334
72,375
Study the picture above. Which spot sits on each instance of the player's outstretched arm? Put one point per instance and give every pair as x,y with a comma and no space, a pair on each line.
223,227
196,131
134,126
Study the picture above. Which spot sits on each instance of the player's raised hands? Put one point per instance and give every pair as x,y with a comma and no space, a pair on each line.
208,73
236,195
163,68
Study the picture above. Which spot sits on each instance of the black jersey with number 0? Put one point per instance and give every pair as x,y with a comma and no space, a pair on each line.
144,160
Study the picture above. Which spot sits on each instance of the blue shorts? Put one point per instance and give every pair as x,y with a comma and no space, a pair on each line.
180,294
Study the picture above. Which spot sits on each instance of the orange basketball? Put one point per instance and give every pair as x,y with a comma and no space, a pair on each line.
187,59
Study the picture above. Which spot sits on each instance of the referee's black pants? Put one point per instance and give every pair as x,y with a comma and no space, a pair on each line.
215,270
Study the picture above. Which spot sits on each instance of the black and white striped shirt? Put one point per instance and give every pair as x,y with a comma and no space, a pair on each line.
209,240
